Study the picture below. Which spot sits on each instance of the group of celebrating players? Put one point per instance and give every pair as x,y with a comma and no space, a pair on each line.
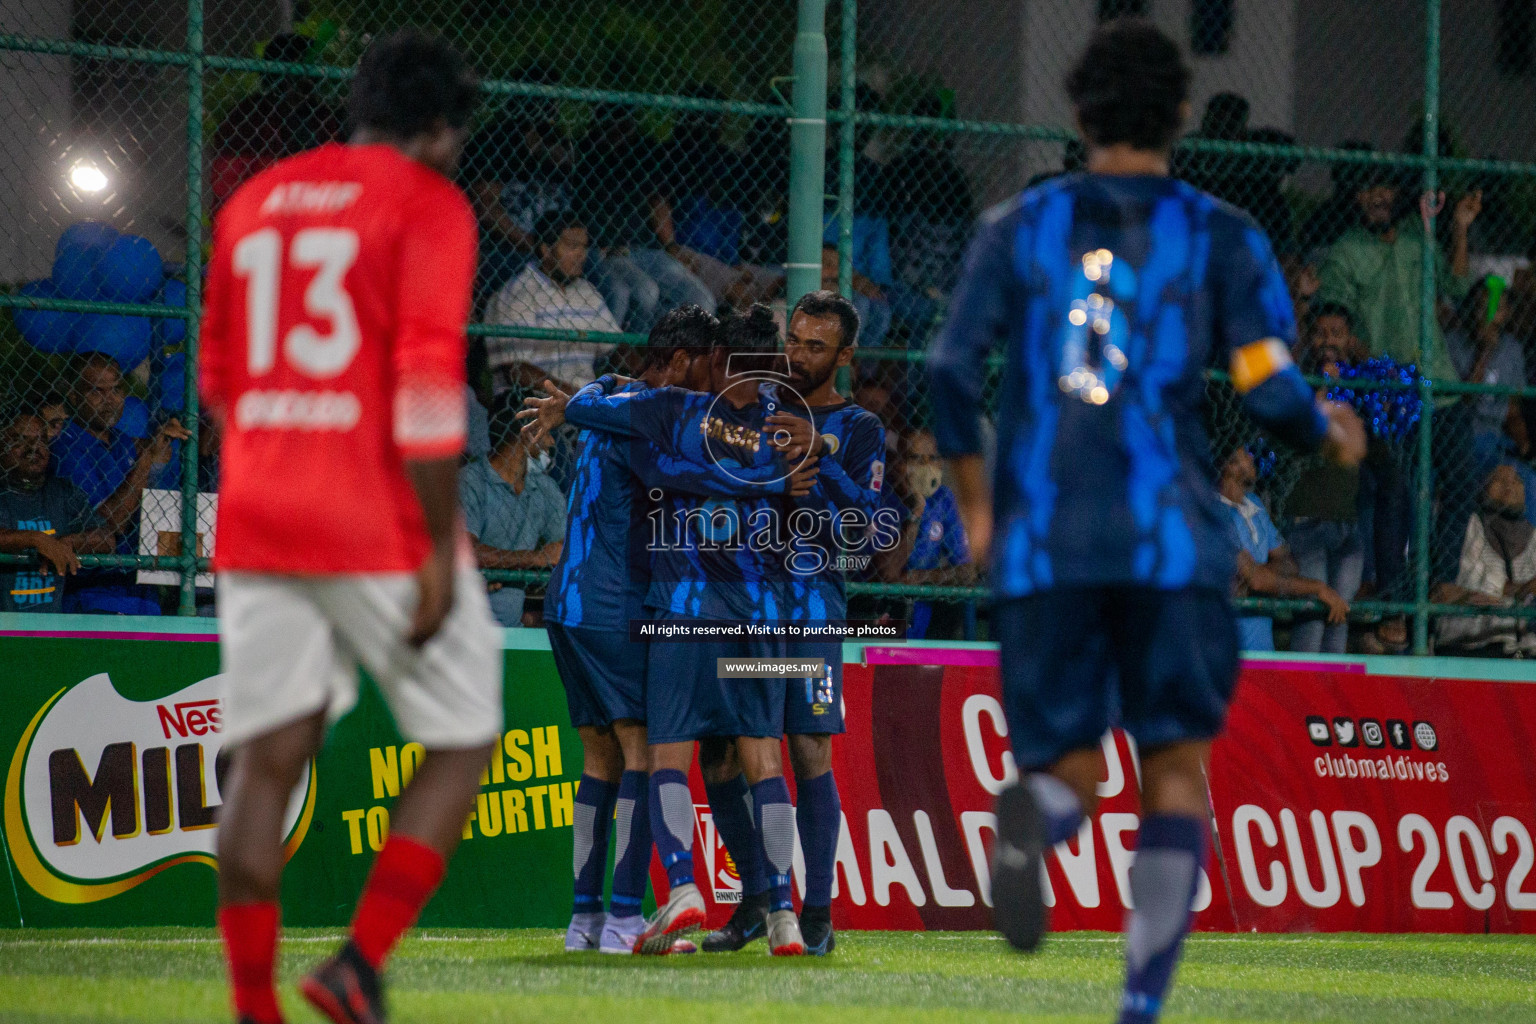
713,489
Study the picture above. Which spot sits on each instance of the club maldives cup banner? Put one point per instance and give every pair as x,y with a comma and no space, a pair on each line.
1344,798
1343,801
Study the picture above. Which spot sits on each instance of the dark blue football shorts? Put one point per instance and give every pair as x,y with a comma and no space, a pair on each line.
603,673
685,699
1162,664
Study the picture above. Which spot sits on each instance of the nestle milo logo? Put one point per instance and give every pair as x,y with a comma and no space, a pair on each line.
190,718
104,792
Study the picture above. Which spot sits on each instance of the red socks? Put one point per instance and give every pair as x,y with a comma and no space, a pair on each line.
404,877
250,945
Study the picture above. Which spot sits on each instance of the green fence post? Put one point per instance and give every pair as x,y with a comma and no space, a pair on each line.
807,152
847,133
194,264
1423,492
847,130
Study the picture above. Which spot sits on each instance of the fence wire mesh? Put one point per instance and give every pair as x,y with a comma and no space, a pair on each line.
634,156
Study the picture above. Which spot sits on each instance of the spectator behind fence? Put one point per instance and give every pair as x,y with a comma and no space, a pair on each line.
286,115
516,169
1341,210
1325,537
626,201
878,387
1375,270
716,188
928,199
872,280
1485,352
1497,568
551,293
515,514
113,470
1264,564
41,513
54,411
940,554
1252,183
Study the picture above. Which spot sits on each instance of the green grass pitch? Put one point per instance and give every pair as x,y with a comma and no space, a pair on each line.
175,975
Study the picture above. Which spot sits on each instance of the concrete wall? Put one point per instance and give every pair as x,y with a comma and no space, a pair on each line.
34,101
1258,64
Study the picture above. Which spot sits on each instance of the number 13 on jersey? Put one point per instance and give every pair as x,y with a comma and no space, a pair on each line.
258,258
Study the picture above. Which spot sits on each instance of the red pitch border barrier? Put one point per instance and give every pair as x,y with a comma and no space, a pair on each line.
1344,800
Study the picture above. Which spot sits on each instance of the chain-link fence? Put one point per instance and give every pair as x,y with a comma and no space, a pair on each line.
631,157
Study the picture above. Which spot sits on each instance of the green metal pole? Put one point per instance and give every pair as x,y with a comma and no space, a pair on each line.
847,133
1424,495
194,264
807,152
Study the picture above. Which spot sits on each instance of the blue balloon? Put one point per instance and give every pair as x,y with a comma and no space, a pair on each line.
135,418
172,330
130,270
74,272
90,235
169,386
124,338
45,329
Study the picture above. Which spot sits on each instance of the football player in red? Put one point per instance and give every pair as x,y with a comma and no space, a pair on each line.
333,351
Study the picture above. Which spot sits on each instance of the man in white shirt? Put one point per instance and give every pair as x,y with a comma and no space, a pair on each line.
1497,569
551,294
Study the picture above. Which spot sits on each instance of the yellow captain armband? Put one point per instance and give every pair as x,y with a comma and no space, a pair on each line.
1255,363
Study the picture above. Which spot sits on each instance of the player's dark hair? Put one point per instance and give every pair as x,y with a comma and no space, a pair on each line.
551,225
1129,85
828,303
753,331
407,82
691,328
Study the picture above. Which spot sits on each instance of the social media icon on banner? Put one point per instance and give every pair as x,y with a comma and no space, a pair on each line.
1397,734
1370,732
1317,730
1424,736
1344,732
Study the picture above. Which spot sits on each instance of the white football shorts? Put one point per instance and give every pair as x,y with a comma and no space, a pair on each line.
292,646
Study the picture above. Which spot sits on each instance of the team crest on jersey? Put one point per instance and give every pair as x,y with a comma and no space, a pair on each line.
935,530
876,475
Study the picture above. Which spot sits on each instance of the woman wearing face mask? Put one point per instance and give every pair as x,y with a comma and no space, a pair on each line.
1498,567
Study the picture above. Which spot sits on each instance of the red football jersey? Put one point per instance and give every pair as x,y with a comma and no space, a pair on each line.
333,347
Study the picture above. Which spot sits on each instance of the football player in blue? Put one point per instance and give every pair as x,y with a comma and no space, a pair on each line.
849,443
1110,291
721,559
597,588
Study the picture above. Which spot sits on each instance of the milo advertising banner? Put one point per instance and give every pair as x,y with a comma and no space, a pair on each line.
111,747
